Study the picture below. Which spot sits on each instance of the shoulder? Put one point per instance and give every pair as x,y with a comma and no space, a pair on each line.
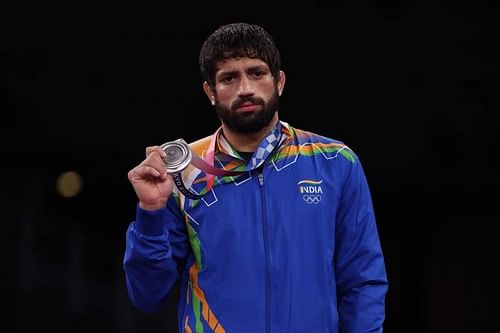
322,144
201,145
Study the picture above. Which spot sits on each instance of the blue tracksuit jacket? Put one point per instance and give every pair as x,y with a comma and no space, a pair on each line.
289,247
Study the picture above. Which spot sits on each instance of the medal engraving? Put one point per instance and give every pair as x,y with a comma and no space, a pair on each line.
178,155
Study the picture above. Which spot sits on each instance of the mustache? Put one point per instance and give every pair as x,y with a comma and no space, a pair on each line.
254,100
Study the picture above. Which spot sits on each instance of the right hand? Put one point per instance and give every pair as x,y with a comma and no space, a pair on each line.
150,180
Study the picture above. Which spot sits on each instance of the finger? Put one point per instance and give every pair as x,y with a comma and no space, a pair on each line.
154,160
157,149
144,171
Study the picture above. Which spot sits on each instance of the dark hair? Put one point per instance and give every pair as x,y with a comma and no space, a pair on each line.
238,40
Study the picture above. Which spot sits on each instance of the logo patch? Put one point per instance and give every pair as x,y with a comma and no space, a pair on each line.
310,190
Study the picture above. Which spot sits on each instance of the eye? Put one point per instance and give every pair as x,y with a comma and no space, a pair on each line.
227,79
258,73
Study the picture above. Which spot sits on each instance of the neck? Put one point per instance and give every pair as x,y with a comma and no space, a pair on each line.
248,142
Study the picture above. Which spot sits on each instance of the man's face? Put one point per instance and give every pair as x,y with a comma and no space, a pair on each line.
246,95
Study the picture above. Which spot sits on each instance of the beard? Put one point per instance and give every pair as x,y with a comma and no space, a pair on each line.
248,122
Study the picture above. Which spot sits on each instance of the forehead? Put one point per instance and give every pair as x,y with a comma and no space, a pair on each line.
239,64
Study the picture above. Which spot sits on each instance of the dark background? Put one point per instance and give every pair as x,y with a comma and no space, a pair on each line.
411,86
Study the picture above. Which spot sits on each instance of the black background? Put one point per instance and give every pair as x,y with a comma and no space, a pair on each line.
411,86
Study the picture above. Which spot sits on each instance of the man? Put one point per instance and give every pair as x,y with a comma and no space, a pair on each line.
287,242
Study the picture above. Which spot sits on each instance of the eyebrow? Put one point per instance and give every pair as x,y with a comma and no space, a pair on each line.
248,69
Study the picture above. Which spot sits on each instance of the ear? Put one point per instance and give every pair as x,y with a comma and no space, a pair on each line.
281,82
208,91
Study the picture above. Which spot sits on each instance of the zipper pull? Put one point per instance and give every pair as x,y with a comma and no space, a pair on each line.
261,179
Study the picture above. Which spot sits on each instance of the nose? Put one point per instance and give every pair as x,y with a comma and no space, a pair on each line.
245,87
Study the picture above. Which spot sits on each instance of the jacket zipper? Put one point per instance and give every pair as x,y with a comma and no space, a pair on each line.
266,253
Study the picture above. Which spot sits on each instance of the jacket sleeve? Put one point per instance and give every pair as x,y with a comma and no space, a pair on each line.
156,246
359,263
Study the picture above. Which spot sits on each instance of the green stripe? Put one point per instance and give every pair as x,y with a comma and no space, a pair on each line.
197,312
195,245
347,153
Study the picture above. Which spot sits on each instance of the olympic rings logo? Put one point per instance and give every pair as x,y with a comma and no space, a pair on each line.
312,198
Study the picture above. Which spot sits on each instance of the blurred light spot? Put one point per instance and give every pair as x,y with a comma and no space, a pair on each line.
69,184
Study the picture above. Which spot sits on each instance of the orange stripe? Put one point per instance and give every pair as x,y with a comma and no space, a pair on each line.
204,311
212,320
200,180
219,329
233,164
186,326
293,150
193,273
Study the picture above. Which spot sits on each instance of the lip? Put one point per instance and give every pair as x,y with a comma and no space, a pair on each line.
247,107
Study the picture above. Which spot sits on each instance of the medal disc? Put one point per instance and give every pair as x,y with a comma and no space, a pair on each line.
178,155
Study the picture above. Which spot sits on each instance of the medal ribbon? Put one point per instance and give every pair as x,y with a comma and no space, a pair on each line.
266,148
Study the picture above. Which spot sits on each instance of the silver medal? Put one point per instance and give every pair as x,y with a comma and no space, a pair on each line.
178,155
